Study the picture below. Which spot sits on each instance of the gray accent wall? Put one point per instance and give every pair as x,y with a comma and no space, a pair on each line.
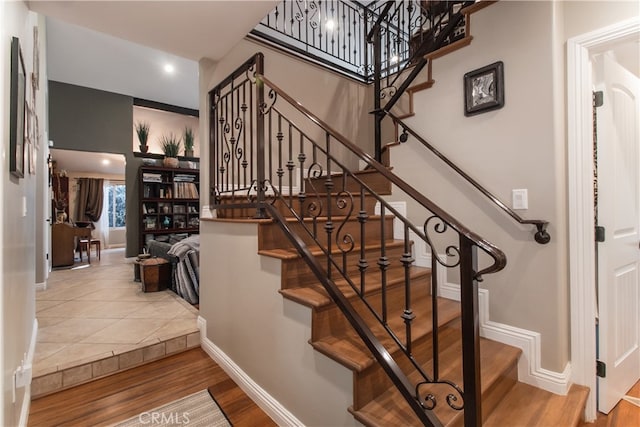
88,119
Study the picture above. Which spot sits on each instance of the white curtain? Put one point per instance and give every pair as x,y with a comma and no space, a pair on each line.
102,226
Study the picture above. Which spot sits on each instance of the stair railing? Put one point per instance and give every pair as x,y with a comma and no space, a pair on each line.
270,156
541,235
402,36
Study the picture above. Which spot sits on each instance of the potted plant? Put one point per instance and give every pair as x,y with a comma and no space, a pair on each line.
142,129
189,140
171,147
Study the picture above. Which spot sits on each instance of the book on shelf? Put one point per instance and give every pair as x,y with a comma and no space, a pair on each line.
151,177
185,190
184,178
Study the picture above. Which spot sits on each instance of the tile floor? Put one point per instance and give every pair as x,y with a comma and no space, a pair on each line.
95,313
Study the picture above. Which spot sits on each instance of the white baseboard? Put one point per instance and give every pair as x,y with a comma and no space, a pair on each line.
26,401
42,286
264,400
529,369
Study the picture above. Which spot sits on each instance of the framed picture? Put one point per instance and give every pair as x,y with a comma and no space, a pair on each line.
484,89
17,110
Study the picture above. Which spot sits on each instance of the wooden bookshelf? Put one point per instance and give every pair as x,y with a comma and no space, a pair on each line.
169,203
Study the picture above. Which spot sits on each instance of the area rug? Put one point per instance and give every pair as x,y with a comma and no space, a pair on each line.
197,410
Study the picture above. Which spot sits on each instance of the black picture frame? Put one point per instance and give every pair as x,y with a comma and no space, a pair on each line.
17,110
484,89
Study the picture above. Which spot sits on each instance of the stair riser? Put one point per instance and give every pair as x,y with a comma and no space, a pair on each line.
371,178
373,381
331,322
270,236
296,273
492,397
283,208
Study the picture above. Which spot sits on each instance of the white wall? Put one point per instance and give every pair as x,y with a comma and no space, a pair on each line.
18,228
522,145
164,123
509,148
264,334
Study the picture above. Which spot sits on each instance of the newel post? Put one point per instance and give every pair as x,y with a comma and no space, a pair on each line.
260,146
470,332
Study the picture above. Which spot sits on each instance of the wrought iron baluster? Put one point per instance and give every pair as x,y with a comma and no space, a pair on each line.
245,163
290,166
235,162
383,262
252,111
328,185
279,137
226,153
362,219
407,314
270,147
301,192
434,315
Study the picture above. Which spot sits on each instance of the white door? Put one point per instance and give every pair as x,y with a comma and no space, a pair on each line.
619,213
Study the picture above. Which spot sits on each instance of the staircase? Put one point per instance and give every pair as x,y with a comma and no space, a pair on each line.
348,255
376,402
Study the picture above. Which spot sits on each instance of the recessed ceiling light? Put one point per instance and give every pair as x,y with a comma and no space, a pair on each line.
106,161
330,25
169,68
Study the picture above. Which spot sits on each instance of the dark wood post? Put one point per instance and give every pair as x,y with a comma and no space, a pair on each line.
470,333
260,155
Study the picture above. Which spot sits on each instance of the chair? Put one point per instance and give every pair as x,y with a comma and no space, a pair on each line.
86,245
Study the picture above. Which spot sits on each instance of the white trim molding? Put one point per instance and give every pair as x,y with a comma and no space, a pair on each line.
581,210
42,286
264,400
530,370
27,366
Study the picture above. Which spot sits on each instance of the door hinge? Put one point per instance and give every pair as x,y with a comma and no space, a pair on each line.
601,369
598,98
599,233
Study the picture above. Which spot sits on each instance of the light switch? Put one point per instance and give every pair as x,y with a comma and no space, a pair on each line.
519,199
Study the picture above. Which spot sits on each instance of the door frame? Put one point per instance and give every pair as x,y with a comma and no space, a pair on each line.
582,280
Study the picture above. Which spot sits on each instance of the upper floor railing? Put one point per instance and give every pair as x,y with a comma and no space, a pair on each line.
336,33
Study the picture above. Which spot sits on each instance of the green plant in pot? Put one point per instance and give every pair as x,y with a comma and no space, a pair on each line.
142,129
171,147
189,140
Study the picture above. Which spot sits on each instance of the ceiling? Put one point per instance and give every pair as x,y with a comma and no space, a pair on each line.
91,163
122,46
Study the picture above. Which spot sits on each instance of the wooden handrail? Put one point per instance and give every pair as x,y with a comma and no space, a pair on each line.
541,236
499,258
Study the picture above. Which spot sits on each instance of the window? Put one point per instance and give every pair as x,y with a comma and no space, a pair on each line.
117,198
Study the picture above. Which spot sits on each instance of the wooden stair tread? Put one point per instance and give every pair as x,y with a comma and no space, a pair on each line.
291,253
527,405
316,296
496,357
350,351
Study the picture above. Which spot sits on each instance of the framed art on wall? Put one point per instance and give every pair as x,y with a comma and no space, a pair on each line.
17,110
484,89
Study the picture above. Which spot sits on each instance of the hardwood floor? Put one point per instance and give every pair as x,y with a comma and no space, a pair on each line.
625,414
126,394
